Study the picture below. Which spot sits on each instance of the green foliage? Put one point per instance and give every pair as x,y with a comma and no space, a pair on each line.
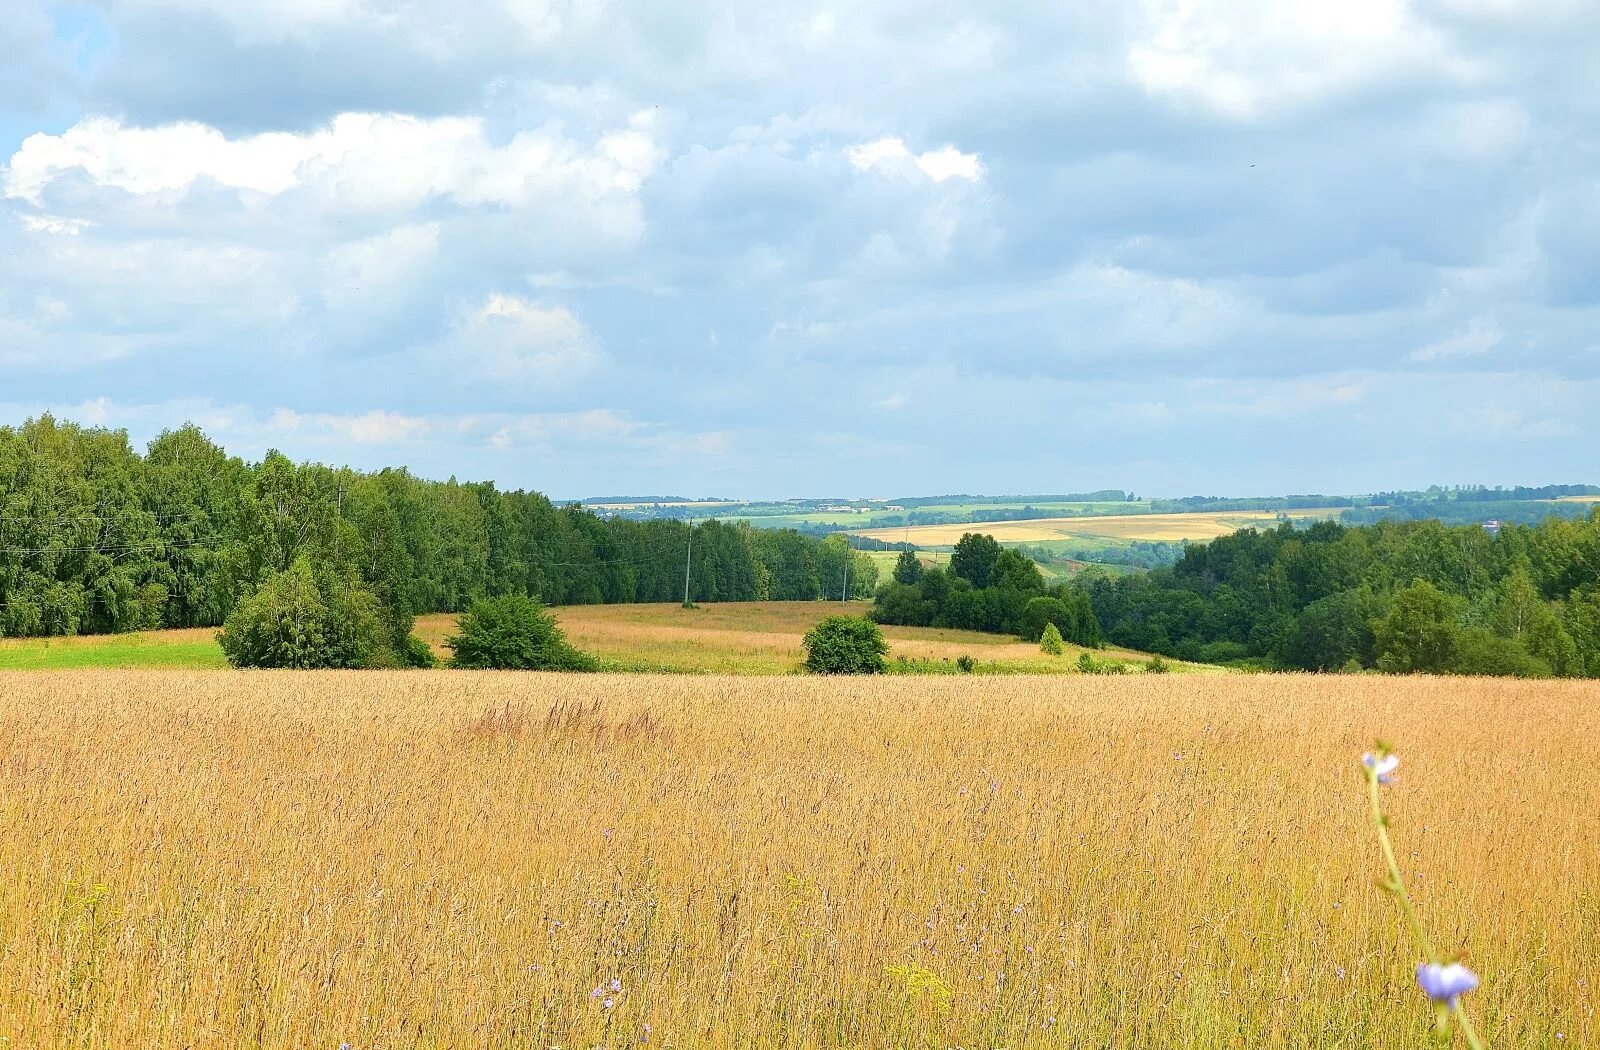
1050,641
1156,665
907,568
974,558
1087,664
1014,599
95,538
414,652
1420,633
845,645
1400,597
966,664
513,633
297,621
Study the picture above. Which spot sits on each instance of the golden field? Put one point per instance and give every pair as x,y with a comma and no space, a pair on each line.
443,859
1149,527
764,638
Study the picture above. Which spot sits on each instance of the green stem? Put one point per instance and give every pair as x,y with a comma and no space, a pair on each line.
1467,1031
1397,886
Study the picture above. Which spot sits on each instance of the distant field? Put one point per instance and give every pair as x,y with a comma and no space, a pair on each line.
867,518
679,503
1168,527
756,638
744,638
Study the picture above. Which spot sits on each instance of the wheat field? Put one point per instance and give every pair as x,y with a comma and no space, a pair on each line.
440,859
1149,527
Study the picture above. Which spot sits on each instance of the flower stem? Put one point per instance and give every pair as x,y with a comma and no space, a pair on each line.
1397,886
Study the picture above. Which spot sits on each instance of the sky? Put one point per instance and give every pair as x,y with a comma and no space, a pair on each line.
596,247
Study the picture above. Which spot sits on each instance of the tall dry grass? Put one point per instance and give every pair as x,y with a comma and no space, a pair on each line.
458,860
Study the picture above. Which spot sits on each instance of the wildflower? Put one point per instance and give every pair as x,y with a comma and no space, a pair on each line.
608,1003
1444,984
616,984
1384,767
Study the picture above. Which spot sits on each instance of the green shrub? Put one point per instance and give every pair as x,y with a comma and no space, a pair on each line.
300,621
1156,665
1050,641
1089,665
845,645
513,633
966,664
417,653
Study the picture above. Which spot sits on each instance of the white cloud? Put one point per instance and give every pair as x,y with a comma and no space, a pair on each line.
378,268
54,224
376,427
513,339
1242,58
891,154
1479,337
366,161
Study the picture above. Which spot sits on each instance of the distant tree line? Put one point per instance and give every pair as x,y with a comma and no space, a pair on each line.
1393,596
97,538
1466,512
986,588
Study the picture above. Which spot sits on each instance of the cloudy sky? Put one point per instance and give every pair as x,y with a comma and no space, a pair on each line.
606,247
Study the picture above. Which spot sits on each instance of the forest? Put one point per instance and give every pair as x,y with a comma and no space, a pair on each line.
1394,596
1416,596
96,537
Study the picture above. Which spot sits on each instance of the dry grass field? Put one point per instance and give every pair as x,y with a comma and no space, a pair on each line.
1167,527
752,638
389,860
764,638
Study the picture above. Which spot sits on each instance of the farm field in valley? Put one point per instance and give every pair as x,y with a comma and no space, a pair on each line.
397,859
751,638
765,638
1168,527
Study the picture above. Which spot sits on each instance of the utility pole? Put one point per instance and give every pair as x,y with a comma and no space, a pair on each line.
687,558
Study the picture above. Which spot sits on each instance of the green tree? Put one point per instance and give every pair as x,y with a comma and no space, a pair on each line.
907,568
1042,612
1050,641
513,633
974,557
296,621
845,645
1419,634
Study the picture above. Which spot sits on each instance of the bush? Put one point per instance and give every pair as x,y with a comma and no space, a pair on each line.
417,653
300,621
966,664
845,645
513,633
1156,665
1050,641
1089,665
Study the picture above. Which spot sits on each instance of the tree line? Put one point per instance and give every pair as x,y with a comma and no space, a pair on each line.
96,537
1416,596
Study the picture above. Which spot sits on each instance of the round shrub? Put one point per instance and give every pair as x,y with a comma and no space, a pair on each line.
513,633
845,645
